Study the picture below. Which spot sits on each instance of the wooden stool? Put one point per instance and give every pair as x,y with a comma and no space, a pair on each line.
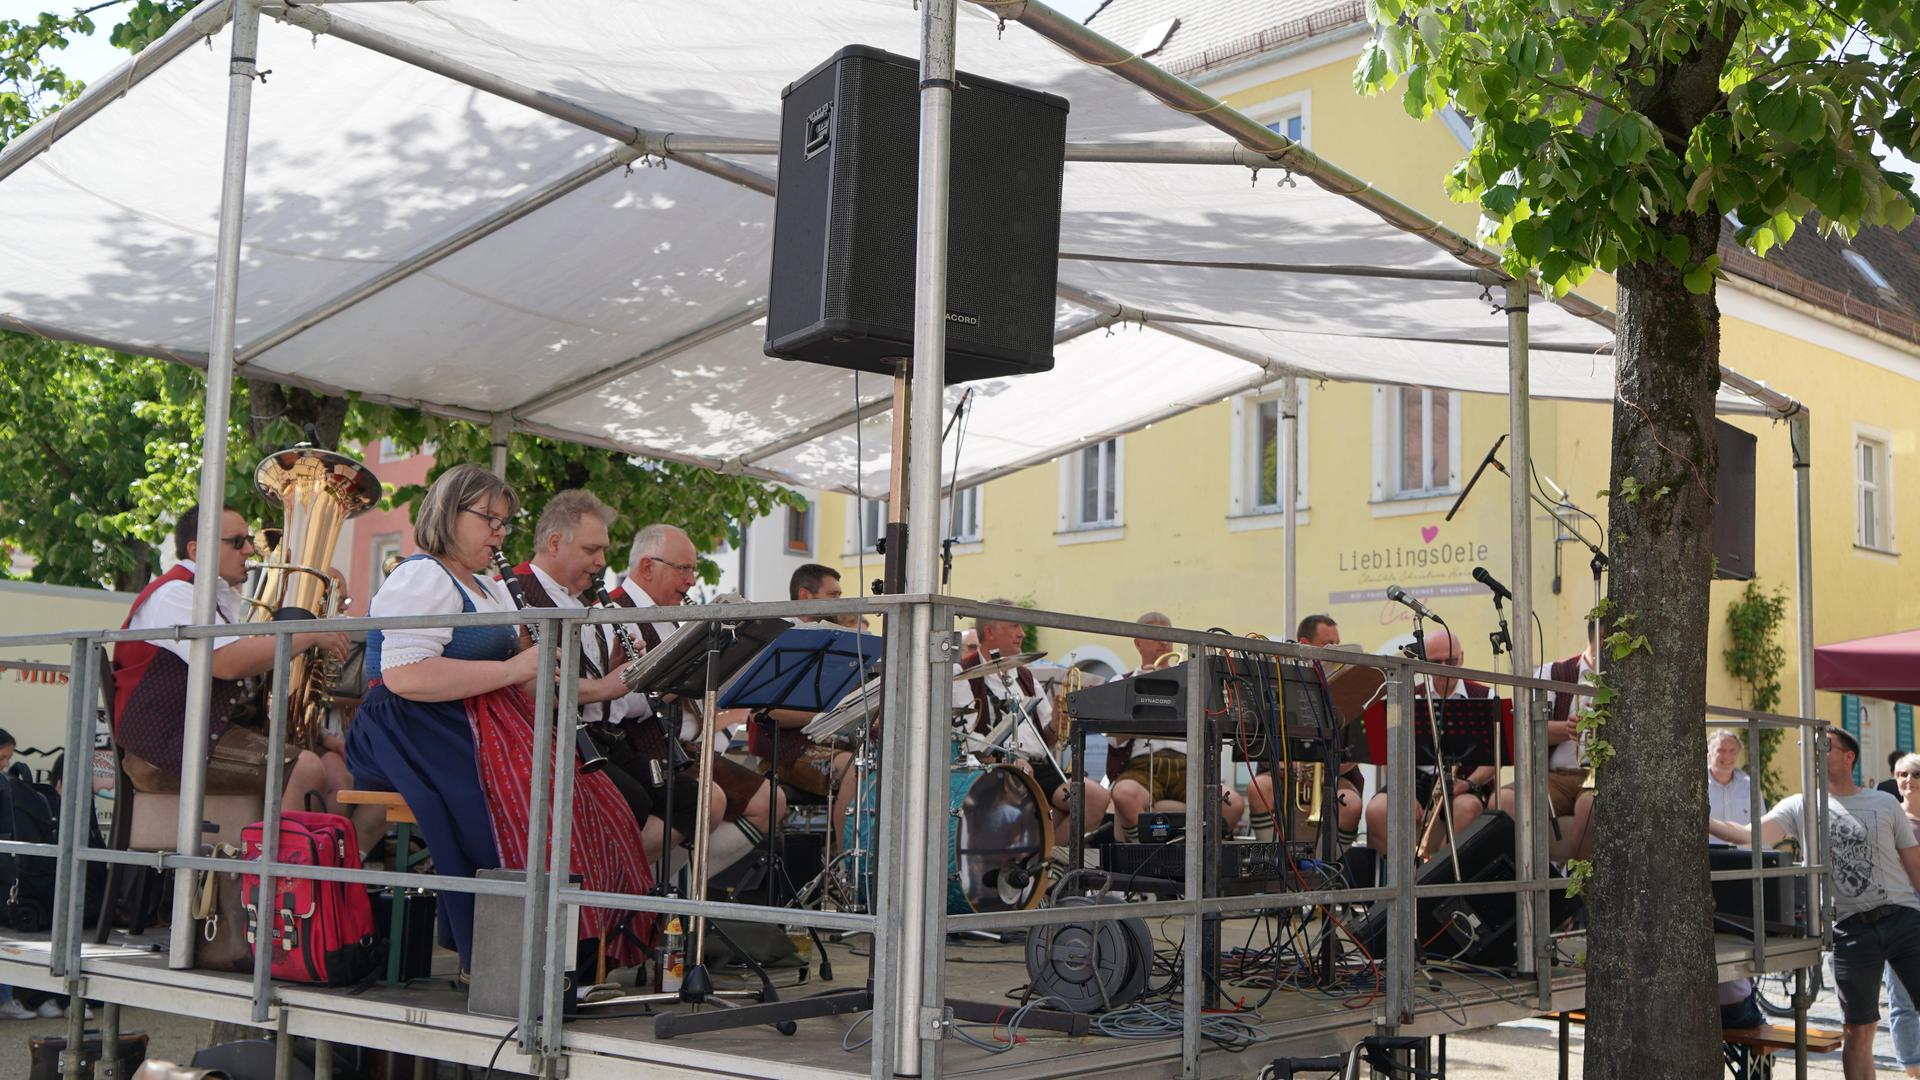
399,815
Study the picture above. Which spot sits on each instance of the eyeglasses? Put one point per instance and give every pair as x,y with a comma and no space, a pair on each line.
496,524
1908,775
238,543
682,567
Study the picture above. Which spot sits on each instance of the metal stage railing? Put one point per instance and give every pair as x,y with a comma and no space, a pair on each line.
898,928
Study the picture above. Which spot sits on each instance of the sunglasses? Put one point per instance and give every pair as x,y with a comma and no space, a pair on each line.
237,543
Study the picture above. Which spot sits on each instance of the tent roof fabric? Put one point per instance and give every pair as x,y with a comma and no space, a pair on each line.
617,305
1886,666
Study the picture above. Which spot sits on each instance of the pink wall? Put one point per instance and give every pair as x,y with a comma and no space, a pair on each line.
366,533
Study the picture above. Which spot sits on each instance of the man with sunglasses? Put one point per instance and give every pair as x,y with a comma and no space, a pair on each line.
150,677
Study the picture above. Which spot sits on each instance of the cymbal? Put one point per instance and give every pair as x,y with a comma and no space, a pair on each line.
995,667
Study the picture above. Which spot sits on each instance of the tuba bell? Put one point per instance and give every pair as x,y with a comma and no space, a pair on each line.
316,491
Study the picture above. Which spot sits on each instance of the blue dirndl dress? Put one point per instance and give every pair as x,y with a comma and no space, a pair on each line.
425,751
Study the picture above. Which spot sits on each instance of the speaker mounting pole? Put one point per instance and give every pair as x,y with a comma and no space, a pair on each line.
894,546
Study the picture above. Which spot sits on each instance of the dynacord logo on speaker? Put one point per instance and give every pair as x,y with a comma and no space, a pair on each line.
963,318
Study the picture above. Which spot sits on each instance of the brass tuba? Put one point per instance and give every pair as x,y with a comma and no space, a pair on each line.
317,491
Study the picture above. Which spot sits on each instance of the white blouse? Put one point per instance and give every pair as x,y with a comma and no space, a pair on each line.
423,587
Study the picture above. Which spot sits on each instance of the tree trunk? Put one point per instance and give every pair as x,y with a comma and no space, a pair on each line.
316,418
1650,970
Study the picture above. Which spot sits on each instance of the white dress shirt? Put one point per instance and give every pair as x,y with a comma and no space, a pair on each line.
425,587
171,605
1731,801
597,647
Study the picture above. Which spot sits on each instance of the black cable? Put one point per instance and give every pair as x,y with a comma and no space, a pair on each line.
501,1045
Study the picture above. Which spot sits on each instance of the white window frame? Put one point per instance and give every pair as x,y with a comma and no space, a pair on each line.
1284,108
382,546
856,538
1885,536
1072,477
1387,432
811,521
972,525
1244,493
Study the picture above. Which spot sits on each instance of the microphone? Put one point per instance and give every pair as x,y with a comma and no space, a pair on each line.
1401,596
1500,592
1475,478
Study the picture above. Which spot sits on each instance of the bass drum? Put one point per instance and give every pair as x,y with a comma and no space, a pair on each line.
999,833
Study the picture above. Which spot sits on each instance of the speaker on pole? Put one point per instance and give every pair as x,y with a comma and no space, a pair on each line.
844,219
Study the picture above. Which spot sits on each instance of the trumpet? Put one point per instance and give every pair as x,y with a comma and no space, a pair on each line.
1307,796
590,759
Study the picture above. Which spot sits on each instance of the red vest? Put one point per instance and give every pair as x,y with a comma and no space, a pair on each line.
150,692
982,699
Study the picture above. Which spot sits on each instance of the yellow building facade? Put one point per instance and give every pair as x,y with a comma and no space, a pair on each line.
1180,517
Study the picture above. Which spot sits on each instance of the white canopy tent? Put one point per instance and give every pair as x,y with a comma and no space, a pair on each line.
447,205
618,305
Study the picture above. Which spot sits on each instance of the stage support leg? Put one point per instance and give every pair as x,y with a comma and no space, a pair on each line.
1529,836
1812,772
917,1001
213,468
1290,510
1400,869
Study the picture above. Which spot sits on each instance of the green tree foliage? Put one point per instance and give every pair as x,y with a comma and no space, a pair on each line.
1617,137
106,447
1575,163
1755,656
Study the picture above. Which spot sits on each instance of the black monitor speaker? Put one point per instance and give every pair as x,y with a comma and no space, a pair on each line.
844,222
1479,929
1733,503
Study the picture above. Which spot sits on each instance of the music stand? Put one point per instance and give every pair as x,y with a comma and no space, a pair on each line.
805,669
1473,731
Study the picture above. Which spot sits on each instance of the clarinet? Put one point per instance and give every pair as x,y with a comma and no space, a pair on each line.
675,752
590,759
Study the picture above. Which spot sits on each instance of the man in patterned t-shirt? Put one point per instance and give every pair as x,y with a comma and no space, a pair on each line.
1876,872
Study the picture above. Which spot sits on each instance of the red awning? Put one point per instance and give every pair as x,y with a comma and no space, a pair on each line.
1886,667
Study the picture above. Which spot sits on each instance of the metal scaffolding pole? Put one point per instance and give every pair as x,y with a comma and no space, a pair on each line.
1528,744
1289,502
1812,769
213,468
918,999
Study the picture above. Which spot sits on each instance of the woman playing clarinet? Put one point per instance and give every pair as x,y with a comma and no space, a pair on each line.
448,721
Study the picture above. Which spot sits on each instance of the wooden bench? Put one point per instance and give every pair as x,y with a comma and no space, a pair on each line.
400,816
1748,1051
398,812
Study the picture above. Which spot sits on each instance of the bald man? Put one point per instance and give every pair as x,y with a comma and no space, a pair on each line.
1470,793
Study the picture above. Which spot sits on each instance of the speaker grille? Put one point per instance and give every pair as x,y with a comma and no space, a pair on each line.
844,228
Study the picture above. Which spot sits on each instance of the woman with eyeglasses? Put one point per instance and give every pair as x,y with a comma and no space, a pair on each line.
448,719
1902,1017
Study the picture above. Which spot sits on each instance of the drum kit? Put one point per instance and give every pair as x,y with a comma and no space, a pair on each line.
999,826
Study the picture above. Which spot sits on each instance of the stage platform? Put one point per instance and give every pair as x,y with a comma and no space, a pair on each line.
429,1018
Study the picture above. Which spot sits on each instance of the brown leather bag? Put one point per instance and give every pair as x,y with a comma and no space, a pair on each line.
221,917
44,1054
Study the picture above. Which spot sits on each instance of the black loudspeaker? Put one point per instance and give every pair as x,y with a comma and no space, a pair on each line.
1784,899
844,221
1733,503
1478,929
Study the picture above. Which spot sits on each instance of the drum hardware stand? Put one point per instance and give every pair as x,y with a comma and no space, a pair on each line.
698,986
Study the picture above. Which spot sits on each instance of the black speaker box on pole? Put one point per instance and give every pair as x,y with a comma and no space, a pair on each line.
844,221
1733,502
